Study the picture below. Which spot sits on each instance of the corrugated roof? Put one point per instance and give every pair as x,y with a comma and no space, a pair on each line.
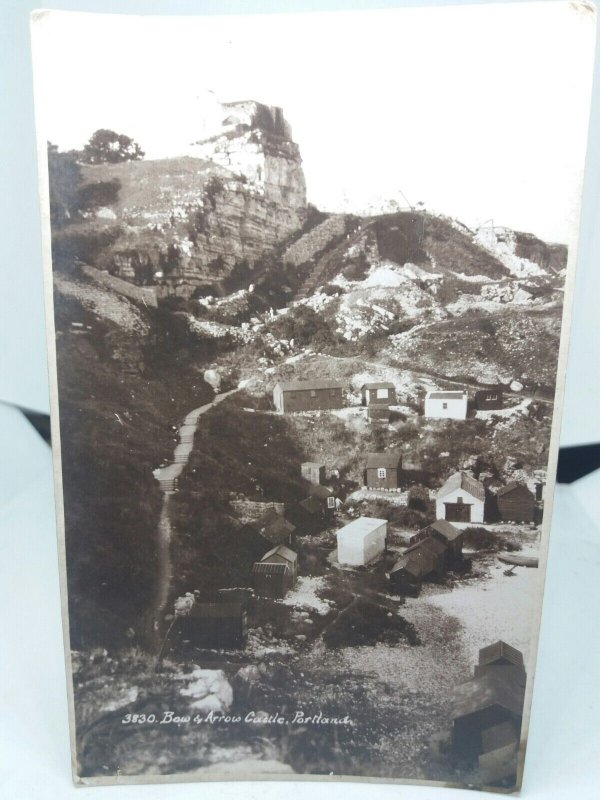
500,649
387,460
445,529
460,480
445,395
510,487
360,527
283,551
269,568
320,383
381,385
500,686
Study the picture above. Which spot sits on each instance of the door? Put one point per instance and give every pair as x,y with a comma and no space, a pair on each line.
458,512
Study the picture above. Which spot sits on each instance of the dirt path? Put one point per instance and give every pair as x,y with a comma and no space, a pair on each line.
167,479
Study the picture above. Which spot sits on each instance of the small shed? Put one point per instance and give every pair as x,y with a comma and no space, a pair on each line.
446,404
313,472
309,395
308,515
326,496
499,654
383,470
437,550
276,573
274,528
489,399
411,569
492,698
516,503
383,394
379,414
446,533
361,541
215,626
461,499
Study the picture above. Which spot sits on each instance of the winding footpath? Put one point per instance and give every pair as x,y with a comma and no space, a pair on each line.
167,478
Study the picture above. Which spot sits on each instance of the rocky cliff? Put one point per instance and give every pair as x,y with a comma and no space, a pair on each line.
186,221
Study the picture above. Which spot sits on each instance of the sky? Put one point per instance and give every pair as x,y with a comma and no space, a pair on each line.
479,112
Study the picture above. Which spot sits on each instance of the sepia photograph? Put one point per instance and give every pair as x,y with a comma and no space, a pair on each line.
308,279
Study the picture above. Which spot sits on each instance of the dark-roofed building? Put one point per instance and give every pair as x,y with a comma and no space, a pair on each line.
499,654
515,503
274,528
308,515
498,762
379,414
310,395
383,470
492,698
446,404
489,399
437,550
326,496
312,472
446,533
214,626
461,499
379,393
276,573
411,569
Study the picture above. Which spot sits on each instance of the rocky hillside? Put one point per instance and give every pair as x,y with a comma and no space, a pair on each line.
185,222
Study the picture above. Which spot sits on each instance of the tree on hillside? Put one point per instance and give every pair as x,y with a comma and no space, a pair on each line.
108,147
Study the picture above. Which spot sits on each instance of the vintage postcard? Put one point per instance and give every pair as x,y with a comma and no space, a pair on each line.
308,286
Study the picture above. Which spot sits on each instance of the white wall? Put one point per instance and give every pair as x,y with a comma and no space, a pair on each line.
356,549
456,409
452,497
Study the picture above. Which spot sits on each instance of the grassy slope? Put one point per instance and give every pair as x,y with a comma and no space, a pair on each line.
116,427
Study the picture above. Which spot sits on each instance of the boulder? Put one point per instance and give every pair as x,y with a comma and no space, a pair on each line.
208,689
212,377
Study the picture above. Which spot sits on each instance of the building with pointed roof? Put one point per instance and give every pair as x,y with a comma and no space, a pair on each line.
383,470
461,500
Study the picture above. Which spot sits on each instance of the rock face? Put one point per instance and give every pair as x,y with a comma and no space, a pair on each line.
187,221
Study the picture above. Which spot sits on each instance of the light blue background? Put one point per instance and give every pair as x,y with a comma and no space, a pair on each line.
34,755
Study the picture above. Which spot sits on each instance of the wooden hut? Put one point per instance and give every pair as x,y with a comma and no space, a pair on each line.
378,394
215,626
276,573
327,498
310,395
383,470
516,503
379,414
308,515
411,569
437,550
489,399
274,528
446,533
499,654
313,472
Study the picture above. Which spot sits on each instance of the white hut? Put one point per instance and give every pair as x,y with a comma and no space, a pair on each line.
361,541
460,500
446,405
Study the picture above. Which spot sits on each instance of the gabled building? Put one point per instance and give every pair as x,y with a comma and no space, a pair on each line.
446,404
308,516
383,470
448,535
310,395
361,541
274,528
516,503
489,399
461,500
437,550
382,394
411,569
326,496
276,573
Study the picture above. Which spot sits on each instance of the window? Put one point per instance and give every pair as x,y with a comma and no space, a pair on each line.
459,500
382,394
313,393
381,472
331,502
492,397
444,406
